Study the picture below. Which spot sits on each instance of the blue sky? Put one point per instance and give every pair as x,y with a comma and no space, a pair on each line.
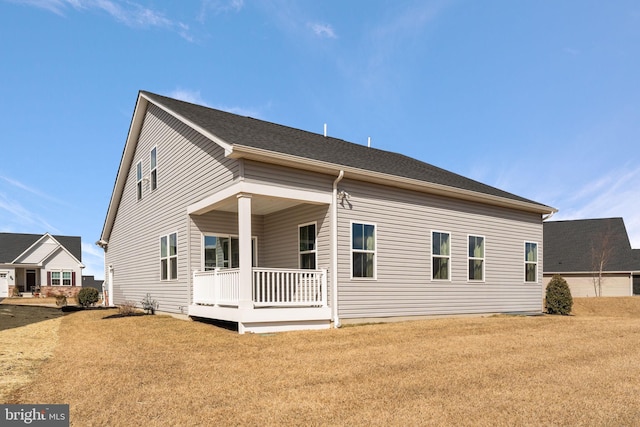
539,98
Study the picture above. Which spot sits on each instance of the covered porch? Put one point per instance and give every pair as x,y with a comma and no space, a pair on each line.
247,263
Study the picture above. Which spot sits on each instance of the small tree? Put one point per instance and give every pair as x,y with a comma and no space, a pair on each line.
88,296
601,250
558,296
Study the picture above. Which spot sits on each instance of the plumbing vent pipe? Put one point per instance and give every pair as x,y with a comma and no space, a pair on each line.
325,130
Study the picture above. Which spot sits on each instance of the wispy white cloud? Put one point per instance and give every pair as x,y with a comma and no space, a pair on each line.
614,194
18,217
56,6
322,30
375,68
24,187
93,260
126,12
187,95
219,6
571,51
194,97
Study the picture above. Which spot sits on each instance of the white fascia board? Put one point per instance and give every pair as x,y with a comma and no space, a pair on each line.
63,248
130,149
42,261
209,203
241,151
125,164
221,142
36,243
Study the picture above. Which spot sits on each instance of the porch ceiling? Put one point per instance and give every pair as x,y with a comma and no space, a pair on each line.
265,199
260,205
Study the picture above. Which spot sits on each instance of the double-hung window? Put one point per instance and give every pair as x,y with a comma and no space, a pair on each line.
476,258
224,252
363,250
307,246
169,257
62,278
530,262
154,168
440,255
55,278
139,180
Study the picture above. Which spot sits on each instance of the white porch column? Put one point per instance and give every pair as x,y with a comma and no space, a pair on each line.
244,241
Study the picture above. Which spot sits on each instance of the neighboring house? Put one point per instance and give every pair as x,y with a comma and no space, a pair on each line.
576,249
636,277
91,282
40,262
226,217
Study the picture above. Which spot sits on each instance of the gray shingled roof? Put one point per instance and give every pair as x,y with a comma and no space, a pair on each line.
568,245
246,131
91,282
13,244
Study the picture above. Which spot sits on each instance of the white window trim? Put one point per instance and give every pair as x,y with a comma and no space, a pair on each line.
374,252
254,239
315,247
139,179
524,247
155,147
62,271
169,256
484,259
450,263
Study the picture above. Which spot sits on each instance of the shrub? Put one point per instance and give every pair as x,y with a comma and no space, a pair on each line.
61,300
15,292
127,308
88,296
558,296
149,305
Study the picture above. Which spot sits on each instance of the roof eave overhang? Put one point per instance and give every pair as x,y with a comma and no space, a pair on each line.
129,151
252,153
125,163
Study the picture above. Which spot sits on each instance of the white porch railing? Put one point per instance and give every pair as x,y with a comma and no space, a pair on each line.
271,287
217,287
283,288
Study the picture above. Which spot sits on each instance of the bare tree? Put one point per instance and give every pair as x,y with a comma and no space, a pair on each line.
601,249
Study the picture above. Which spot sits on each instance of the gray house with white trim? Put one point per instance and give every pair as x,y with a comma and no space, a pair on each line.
227,217
40,263
594,256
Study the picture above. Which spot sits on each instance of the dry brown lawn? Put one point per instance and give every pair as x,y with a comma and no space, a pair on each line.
28,336
502,370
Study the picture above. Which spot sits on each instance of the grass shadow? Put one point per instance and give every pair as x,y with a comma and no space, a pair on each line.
120,316
15,316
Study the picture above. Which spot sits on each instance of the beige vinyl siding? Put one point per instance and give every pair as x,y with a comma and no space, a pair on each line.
221,223
281,236
581,285
39,252
60,260
190,167
287,177
403,287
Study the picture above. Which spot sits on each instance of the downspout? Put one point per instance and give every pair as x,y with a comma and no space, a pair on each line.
542,289
334,250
